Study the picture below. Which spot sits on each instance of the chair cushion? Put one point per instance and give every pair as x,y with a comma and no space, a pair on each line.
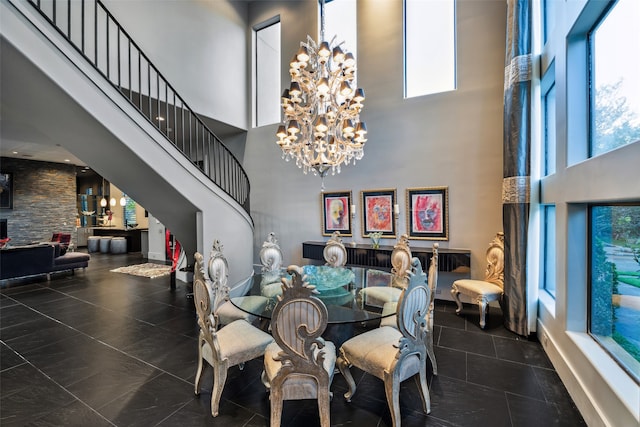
389,310
373,351
228,312
239,342
303,386
478,289
379,295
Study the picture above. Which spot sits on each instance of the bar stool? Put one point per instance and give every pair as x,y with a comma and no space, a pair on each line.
93,243
119,245
105,243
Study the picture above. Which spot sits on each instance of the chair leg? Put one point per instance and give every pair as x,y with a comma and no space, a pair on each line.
276,406
343,365
482,306
265,380
431,353
198,372
392,390
421,382
219,378
324,406
456,297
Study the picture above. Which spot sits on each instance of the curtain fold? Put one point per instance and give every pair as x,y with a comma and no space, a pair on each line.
516,163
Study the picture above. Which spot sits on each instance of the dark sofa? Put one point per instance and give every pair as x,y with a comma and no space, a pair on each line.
44,258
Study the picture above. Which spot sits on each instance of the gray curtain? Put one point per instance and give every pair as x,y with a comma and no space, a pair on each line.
516,163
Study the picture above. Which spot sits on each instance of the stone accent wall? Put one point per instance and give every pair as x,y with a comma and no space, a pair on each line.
44,200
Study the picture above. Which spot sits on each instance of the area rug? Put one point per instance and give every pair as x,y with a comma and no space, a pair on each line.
150,270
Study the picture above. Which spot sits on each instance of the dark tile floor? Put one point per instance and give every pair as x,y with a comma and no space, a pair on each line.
100,349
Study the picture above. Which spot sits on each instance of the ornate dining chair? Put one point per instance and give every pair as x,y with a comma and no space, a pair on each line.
335,254
271,260
482,292
228,310
299,364
221,347
432,280
400,264
394,354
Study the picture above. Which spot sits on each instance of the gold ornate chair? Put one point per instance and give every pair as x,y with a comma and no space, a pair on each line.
335,254
482,292
394,354
432,280
220,347
299,364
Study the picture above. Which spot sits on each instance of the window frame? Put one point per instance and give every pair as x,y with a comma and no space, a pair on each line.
406,54
258,107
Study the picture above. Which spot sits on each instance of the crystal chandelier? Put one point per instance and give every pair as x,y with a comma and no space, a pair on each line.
322,127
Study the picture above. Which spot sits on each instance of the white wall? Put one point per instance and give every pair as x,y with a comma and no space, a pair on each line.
198,46
451,139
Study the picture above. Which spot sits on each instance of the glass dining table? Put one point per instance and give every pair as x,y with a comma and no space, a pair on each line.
338,287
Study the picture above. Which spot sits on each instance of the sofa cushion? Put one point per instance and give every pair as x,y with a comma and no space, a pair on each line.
72,258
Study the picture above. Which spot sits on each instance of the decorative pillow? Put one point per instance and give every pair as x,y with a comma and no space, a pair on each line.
64,239
3,242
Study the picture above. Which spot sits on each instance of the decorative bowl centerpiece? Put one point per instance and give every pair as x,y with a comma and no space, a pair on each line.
326,278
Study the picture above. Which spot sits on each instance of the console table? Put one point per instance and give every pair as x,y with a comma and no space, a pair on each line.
366,256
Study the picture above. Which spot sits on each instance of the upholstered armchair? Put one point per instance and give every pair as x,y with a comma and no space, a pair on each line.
432,280
299,364
394,354
221,347
482,292
334,251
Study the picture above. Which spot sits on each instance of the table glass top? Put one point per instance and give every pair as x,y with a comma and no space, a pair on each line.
339,289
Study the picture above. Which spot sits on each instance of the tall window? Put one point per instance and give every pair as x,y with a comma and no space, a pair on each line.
340,18
267,69
615,78
548,18
549,130
615,281
549,249
340,21
429,47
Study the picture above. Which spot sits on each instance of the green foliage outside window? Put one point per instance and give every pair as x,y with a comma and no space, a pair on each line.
615,276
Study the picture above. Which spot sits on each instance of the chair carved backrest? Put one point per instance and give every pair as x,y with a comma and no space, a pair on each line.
270,254
335,254
401,262
411,315
218,270
495,261
300,319
432,280
203,295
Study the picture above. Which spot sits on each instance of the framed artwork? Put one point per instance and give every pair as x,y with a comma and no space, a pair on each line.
335,213
377,212
6,190
428,213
